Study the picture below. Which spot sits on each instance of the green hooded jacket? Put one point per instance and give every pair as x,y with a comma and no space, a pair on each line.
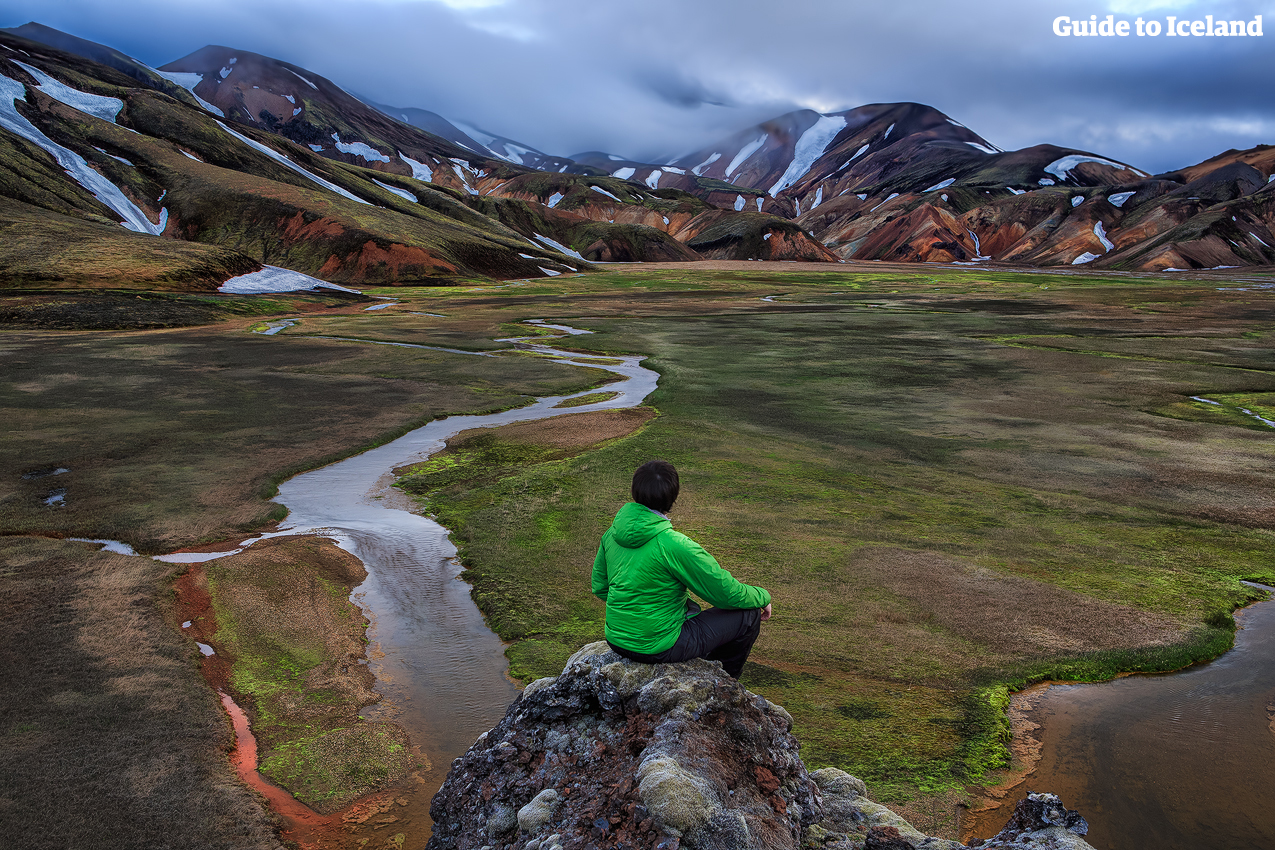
643,571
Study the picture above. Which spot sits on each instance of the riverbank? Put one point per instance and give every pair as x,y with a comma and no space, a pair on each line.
1151,757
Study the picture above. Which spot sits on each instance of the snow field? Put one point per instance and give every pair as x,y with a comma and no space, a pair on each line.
99,106
188,81
73,164
699,169
1061,168
559,247
275,279
420,170
402,193
1101,233
809,148
744,153
366,151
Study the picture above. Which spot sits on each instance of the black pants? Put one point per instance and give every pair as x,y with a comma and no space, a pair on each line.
716,634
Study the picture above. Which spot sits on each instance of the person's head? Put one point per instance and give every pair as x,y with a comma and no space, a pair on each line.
655,485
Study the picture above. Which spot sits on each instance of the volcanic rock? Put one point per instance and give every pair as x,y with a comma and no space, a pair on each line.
614,754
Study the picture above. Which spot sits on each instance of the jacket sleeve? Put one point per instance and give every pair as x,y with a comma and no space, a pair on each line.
699,571
600,579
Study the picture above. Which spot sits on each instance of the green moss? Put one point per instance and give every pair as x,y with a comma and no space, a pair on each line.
329,771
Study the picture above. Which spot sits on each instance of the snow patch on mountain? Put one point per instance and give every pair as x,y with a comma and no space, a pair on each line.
1061,168
883,203
402,193
818,198
809,147
605,192
1014,191
699,169
188,81
420,170
940,185
739,203
1089,258
554,199
1118,199
275,279
653,179
74,164
1078,200
362,149
302,79
983,148
759,200
99,106
745,152
558,246
464,179
287,163
117,159
888,130
860,152
1101,233
624,173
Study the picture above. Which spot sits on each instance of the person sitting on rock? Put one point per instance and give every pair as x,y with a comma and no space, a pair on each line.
643,571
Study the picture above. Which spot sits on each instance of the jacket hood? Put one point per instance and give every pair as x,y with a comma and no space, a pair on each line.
635,524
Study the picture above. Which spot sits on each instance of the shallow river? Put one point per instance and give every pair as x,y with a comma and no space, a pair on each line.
441,670
1181,761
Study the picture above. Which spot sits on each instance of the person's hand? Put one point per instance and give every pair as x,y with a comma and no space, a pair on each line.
765,613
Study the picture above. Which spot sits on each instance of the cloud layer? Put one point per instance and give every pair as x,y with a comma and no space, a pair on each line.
655,78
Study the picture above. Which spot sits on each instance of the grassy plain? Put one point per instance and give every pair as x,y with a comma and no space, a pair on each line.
952,482
172,438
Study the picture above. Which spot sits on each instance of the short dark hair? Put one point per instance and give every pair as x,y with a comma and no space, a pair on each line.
655,485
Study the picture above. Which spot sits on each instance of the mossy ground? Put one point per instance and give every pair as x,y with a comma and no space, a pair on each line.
864,438
296,642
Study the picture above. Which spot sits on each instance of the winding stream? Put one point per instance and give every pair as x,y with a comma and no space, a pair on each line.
1178,761
441,671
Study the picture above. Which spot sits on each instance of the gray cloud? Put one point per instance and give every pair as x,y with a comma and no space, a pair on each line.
659,77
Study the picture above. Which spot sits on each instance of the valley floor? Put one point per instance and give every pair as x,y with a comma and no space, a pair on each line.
953,481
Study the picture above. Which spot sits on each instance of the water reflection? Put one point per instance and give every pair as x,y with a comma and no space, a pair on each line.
1181,761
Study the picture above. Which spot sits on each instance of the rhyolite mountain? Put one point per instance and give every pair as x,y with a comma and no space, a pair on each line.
226,159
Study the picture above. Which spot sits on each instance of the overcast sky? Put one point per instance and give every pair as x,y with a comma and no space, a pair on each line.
652,79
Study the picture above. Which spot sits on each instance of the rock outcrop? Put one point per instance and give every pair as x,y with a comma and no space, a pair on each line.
615,754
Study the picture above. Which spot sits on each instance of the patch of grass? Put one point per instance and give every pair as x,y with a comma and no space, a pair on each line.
109,737
294,641
590,398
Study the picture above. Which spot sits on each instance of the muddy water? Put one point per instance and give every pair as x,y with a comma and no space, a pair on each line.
442,673
1182,761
